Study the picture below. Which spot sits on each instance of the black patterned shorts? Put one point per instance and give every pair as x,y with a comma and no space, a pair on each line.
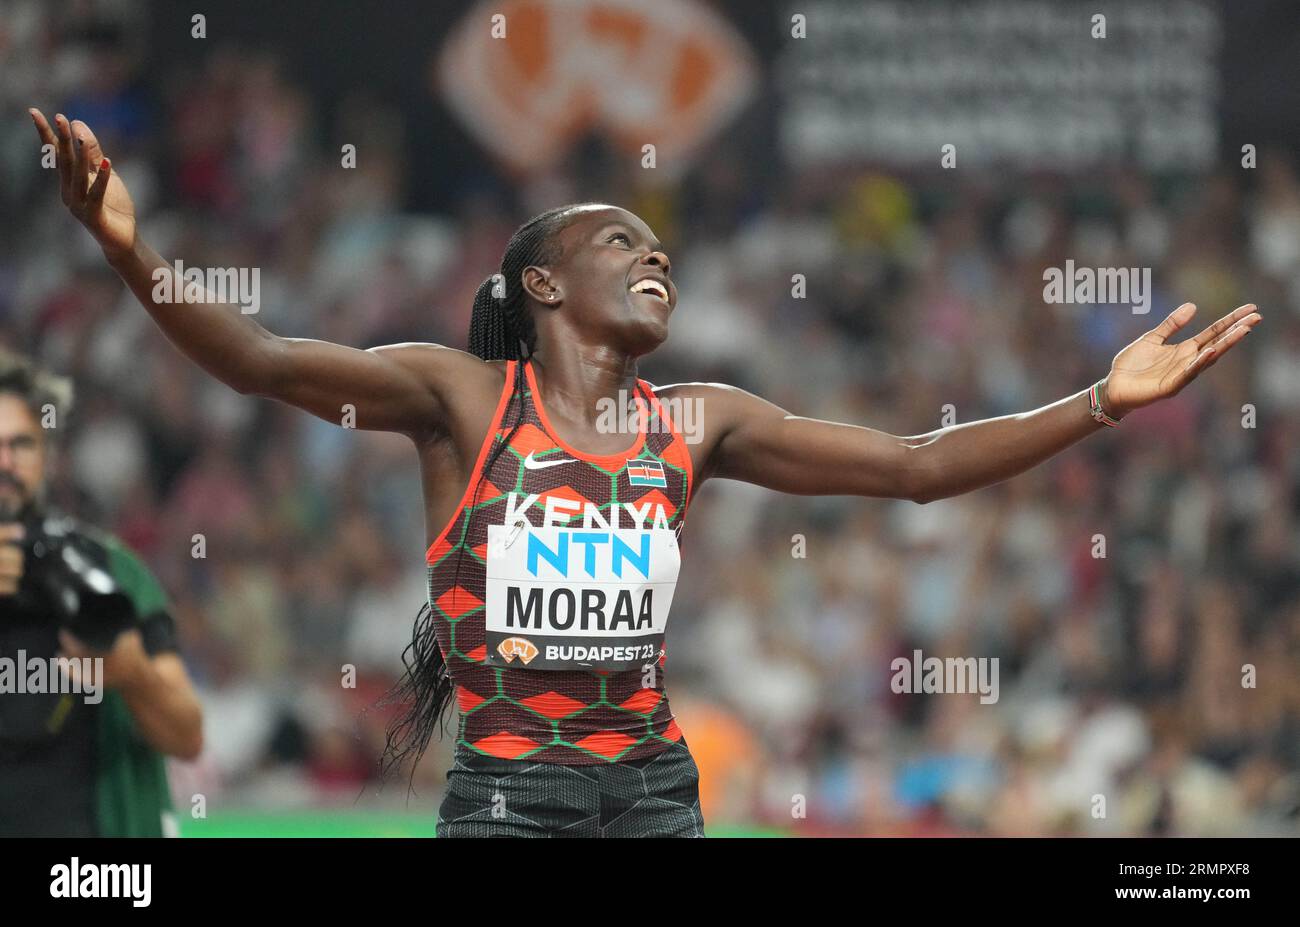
657,796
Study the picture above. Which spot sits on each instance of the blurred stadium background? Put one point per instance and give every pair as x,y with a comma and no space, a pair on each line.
775,156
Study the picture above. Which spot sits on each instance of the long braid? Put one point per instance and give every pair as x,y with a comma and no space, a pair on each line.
501,328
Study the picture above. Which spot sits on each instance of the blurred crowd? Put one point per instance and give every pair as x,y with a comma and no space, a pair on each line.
1141,591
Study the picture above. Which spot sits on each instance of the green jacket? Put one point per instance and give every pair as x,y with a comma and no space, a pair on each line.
133,798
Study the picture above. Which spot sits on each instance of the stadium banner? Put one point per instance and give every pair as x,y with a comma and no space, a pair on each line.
1031,84
530,79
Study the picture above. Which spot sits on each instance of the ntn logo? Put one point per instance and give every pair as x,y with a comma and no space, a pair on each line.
566,549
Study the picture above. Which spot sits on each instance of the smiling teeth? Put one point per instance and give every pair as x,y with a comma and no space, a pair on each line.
651,286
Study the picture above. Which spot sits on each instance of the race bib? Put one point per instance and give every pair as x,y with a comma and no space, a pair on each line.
578,598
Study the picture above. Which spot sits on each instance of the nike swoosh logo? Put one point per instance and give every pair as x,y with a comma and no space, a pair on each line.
532,464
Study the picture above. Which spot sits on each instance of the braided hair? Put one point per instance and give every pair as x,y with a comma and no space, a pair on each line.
501,328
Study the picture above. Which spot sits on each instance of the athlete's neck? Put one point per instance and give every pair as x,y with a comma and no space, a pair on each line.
577,385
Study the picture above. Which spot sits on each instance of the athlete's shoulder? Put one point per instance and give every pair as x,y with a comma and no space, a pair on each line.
695,388
719,396
436,361
708,410
462,380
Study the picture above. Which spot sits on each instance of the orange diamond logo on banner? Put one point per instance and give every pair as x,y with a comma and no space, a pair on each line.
672,70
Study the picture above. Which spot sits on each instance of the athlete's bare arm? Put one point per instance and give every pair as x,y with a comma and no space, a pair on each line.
393,388
747,438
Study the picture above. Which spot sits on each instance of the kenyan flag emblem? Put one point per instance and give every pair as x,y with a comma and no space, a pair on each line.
646,473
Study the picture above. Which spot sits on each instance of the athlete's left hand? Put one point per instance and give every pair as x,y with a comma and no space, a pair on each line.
124,662
1149,369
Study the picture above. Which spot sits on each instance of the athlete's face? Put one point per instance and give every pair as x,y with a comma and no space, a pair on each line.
22,457
605,280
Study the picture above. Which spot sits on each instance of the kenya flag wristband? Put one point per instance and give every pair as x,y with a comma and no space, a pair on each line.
1094,404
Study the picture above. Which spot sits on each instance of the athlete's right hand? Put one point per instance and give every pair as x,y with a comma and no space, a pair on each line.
91,190
11,557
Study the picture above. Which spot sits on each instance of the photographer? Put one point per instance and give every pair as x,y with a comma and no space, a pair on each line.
92,691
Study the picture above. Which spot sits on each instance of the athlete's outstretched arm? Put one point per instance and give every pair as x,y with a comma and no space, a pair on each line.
392,388
758,442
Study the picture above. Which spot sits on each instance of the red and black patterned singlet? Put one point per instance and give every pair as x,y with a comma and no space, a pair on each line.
576,556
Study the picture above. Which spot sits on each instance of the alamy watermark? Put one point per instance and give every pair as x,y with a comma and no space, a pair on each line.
1120,286
23,675
76,879
240,286
950,675
631,414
